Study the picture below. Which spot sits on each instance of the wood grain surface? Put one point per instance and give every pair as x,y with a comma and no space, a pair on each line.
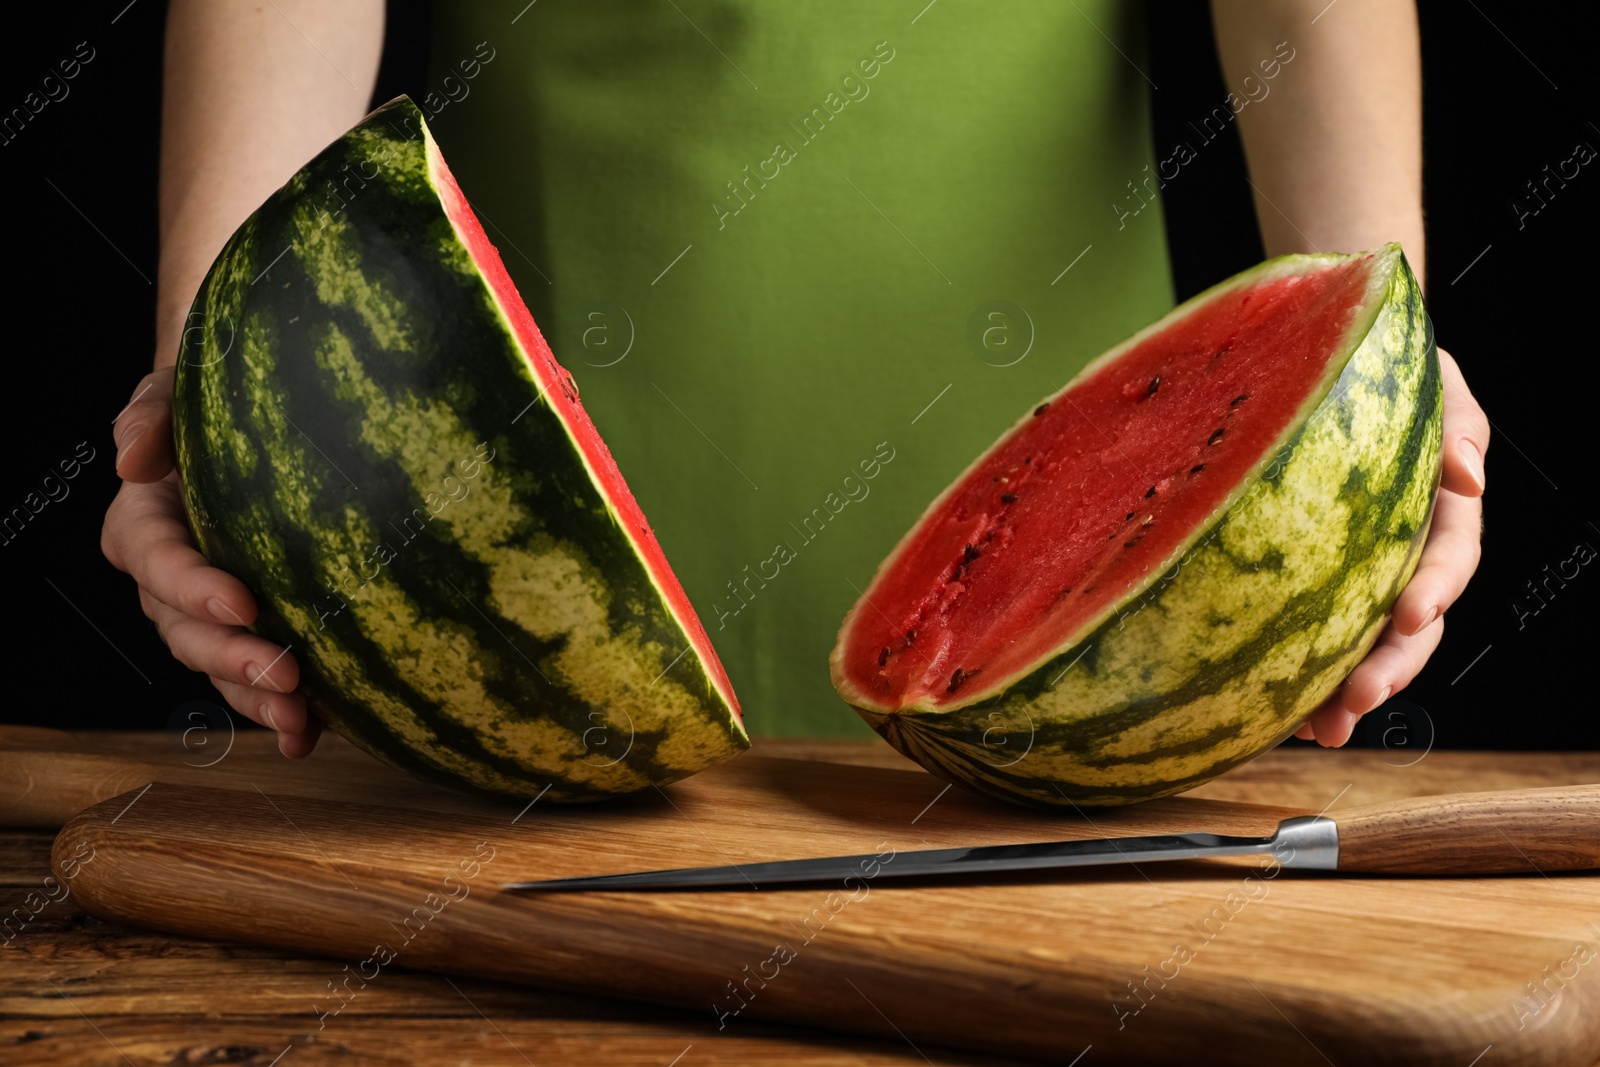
1290,968
48,776
79,992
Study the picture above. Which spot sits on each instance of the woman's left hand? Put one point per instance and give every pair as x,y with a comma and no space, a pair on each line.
1448,559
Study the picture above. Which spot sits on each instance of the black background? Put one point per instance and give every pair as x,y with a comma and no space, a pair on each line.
1509,88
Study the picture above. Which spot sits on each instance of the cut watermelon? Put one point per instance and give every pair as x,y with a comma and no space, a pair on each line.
1161,570
373,435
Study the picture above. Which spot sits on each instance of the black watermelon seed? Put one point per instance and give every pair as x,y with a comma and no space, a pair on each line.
1065,591
995,479
955,681
1008,498
883,657
1224,350
1240,399
1130,544
911,636
1041,409
961,568
1129,517
1155,383
1216,435
1150,492
970,554
1197,468
1027,459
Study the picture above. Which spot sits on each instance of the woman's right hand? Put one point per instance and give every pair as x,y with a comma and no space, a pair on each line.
201,612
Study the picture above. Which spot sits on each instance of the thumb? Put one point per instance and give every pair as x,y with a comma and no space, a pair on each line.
143,430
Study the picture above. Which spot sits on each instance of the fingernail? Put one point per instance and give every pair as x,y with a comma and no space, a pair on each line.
1472,459
265,712
257,676
1433,613
222,613
1381,697
122,447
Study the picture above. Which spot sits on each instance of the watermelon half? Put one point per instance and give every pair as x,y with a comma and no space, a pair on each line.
1160,571
373,435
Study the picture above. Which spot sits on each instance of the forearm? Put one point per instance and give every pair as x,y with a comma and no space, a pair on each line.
250,93
1335,148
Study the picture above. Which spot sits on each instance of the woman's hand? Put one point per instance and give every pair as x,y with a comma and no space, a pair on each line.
200,611
1448,559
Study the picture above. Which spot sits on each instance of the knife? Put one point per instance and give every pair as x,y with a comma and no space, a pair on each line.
1522,831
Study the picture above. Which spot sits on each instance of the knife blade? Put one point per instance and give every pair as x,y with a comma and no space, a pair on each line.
1504,832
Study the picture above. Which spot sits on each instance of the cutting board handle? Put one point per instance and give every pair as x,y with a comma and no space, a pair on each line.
47,776
1517,831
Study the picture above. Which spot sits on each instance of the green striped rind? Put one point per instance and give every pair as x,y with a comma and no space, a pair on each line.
354,428
1229,647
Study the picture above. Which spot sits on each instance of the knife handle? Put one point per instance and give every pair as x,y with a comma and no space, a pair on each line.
1517,831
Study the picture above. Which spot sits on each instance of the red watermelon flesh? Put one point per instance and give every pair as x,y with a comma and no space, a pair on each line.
1095,490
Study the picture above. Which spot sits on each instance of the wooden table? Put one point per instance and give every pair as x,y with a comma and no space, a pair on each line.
74,990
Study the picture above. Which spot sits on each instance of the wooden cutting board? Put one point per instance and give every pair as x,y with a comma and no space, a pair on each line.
378,872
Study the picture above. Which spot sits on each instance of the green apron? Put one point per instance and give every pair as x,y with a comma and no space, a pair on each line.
805,262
